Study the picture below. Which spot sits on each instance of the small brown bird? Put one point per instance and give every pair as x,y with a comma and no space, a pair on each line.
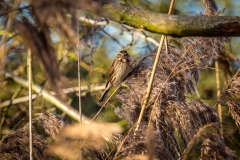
119,70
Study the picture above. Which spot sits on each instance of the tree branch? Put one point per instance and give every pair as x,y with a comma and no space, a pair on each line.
91,89
175,25
48,96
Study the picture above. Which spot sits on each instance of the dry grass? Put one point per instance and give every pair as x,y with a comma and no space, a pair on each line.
16,144
177,75
212,144
164,143
230,97
40,43
214,147
51,123
97,140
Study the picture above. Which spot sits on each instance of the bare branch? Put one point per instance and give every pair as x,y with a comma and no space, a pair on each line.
141,33
46,95
91,88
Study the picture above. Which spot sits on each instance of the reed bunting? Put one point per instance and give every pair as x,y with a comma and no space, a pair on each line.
119,70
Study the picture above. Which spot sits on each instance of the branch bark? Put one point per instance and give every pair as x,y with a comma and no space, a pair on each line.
175,25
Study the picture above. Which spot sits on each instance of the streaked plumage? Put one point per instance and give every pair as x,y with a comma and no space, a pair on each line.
119,70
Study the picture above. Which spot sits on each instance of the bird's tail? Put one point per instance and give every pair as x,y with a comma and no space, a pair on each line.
104,95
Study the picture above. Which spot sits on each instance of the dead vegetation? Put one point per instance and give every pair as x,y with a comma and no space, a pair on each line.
174,126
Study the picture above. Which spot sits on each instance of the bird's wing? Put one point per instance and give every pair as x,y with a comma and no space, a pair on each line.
111,72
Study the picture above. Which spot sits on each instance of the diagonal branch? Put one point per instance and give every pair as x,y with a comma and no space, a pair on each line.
49,97
92,88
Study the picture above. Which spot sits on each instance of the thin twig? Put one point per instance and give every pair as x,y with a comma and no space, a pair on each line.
79,78
91,88
146,98
99,111
147,95
113,38
30,102
218,90
4,112
92,22
79,68
104,23
4,39
166,45
123,141
14,10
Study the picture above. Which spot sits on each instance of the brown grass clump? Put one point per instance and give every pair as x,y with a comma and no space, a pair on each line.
230,97
212,145
176,75
188,117
16,144
51,123
163,143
